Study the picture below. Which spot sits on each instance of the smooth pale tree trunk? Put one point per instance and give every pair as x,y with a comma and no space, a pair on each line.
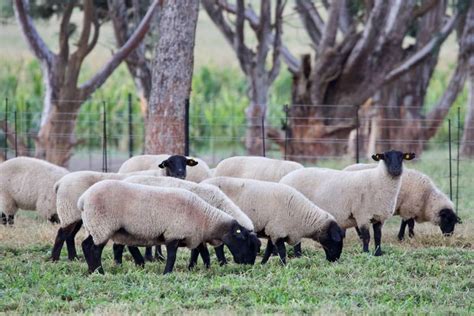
467,147
172,74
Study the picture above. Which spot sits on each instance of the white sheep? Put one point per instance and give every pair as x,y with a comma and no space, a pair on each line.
67,191
356,199
174,166
281,214
208,193
421,201
27,183
141,215
257,168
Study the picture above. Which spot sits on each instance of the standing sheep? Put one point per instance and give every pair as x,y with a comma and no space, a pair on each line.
281,214
140,215
257,168
174,166
421,201
209,194
67,192
356,199
27,183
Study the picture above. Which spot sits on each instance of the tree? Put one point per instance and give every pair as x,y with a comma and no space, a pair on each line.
252,62
171,77
61,73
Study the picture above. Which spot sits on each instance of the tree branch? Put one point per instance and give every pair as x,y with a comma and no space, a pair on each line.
95,36
215,13
100,77
34,40
82,44
426,6
311,19
263,32
275,70
330,30
64,31
244,54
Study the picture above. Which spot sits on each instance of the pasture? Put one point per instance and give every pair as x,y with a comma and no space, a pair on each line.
427,274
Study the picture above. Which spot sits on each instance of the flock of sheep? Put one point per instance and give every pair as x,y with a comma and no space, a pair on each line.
178,201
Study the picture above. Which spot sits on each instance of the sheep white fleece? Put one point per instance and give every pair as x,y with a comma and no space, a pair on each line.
274,208
354,198
257,168
28,183
69,188
207,192
141,215
150,162
419,198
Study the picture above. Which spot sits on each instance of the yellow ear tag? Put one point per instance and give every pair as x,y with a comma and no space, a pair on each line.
238,231
407,156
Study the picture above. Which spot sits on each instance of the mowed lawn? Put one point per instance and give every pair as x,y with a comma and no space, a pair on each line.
427,274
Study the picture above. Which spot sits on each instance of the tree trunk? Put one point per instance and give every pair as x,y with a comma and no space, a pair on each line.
256,113
172,74
467,147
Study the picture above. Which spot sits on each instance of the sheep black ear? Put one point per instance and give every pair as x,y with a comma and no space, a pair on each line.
335,232
458,219
377,157
163,164
191,162
409,156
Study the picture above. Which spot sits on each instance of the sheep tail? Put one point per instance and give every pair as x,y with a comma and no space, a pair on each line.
80,203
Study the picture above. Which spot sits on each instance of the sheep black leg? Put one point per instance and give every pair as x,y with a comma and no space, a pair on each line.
137,256
11,219
206,258
118,253
96,258
171,249
297,250
71,246
268,251
220,255
377,238
401,233
159,254
4,219
358,232
58,244
194,258
149,254
411,227
280,246
365,236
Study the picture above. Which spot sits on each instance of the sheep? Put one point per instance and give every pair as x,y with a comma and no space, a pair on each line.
27,183
421,201
67,191
280,213
208,193
257,168
140,215
356,199
174,166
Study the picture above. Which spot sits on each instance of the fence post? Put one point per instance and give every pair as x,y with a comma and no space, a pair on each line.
16,133
6,130
450,163
130,127
104,138
286,110
186,127
457,158
28,127
357,132
263,135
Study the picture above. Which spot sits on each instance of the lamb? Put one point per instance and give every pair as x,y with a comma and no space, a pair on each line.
140,215
175,166
257,168
27,183
281,214
208,193
356,199
421,201
68,190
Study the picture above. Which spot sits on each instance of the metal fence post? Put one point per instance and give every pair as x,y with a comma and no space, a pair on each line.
186,127
104,138
457,158
357,132
16,133
286,110
28,127
450,163
130,127
6,130
263,135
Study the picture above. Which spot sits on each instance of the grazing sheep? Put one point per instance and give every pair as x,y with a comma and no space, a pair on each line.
140,215
281,214
257,168
68,190
421,201
208,193
174,166
356,199
27,183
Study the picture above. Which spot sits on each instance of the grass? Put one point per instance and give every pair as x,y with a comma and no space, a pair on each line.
427,274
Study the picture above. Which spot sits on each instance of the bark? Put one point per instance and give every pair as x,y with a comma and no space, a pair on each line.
172,74
63,95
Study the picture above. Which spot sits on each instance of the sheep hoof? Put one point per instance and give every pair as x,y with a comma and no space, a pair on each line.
74,258
149,258
378,252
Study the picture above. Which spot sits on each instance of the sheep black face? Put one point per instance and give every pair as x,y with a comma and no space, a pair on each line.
332,241
175,166
54,219
394,161
242,243
448,220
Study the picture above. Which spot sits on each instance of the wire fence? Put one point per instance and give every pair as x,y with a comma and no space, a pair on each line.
105,139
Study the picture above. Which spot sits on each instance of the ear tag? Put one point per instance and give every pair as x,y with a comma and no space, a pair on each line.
238,231
407,156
